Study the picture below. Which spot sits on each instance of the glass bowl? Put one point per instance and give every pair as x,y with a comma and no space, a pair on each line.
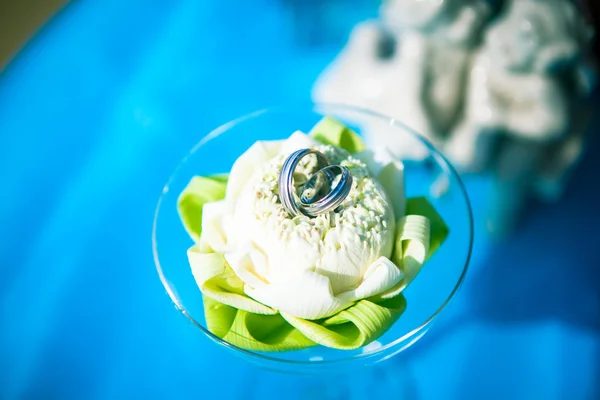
434,178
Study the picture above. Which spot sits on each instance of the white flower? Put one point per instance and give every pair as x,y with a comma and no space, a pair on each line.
307,267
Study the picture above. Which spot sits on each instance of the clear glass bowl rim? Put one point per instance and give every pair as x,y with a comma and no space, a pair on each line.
319,363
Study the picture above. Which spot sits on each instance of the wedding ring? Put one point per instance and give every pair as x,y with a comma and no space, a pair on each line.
322,192
287,194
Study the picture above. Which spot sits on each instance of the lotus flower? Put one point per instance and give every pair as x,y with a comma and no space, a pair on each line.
312,273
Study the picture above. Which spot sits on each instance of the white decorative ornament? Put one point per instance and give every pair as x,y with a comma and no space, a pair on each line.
306,267
410,66
522,103
508,98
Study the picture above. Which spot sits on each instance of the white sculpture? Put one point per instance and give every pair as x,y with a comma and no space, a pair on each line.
410,66
515,84
521,104
509,98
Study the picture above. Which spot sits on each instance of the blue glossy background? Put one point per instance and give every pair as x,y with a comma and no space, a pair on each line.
97,111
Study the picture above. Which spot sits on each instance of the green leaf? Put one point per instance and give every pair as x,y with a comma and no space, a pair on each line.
438,230
228,289
216,279
221,178
199,191
350,329
412,244
246,164
418,235
332,132
252,331
354,327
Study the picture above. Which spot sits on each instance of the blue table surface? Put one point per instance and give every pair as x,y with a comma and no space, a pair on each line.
95,113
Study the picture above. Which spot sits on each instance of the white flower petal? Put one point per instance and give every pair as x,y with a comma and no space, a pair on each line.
288,255
343,258
205,265
395,291
298,140
389,171
243,168
382,275
242,264
304,295
371,157
259,262
216,219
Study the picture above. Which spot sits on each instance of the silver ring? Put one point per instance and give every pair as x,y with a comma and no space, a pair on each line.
287,193
321,193
318,194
